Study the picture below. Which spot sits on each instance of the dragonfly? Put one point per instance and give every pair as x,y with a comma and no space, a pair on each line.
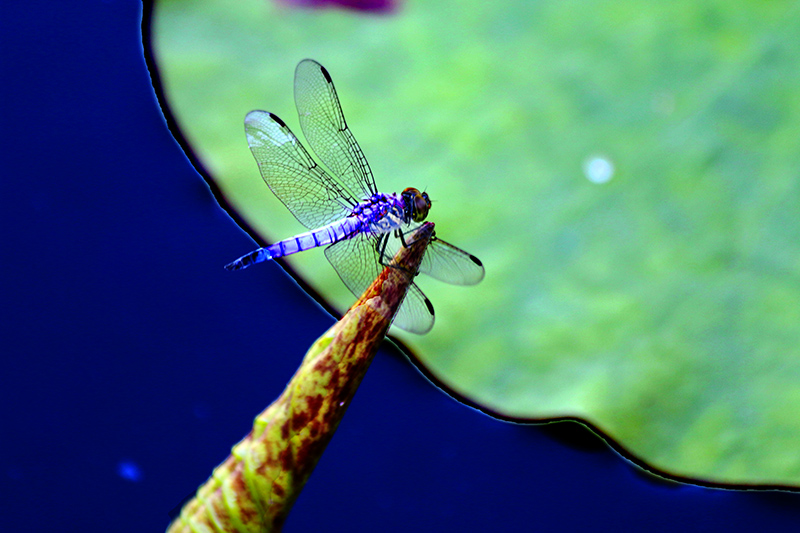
361,227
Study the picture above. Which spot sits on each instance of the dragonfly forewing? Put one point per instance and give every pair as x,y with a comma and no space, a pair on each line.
310,193
325,129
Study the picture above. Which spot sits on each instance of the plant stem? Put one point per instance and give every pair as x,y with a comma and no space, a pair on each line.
256,486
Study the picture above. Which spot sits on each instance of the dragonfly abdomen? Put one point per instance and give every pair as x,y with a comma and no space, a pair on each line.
333,232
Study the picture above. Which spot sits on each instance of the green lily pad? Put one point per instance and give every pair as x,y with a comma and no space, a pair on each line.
628,172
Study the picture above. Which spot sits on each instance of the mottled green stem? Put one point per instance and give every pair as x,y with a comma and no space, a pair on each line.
254,489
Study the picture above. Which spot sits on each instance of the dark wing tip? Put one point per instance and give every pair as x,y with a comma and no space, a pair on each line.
429,305
325,73
277,119
475,260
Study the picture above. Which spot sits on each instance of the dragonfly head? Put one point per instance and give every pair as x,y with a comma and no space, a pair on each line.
417,204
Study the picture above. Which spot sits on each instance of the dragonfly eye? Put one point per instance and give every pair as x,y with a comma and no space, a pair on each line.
417,204
421,207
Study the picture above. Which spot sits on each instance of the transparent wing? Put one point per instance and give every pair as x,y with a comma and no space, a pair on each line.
416,312
447,263
312,195
442,260
357,263
326,131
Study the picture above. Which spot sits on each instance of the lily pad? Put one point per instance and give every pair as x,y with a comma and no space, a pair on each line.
628,172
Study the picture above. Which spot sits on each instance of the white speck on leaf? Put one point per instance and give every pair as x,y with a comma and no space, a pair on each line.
598,169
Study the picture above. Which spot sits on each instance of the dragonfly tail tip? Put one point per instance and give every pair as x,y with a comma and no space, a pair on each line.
236,265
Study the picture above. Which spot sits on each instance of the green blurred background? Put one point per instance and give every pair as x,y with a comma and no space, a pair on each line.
627,172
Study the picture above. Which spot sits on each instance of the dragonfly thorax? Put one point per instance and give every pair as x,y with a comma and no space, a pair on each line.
360,227
381,213
416,204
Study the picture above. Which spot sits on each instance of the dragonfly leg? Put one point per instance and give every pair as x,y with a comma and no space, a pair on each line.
410,242
380,248
401,235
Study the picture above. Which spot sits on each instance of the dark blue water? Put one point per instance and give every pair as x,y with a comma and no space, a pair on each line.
132,361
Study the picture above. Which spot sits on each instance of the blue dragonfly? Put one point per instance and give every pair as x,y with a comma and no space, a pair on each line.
361,227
